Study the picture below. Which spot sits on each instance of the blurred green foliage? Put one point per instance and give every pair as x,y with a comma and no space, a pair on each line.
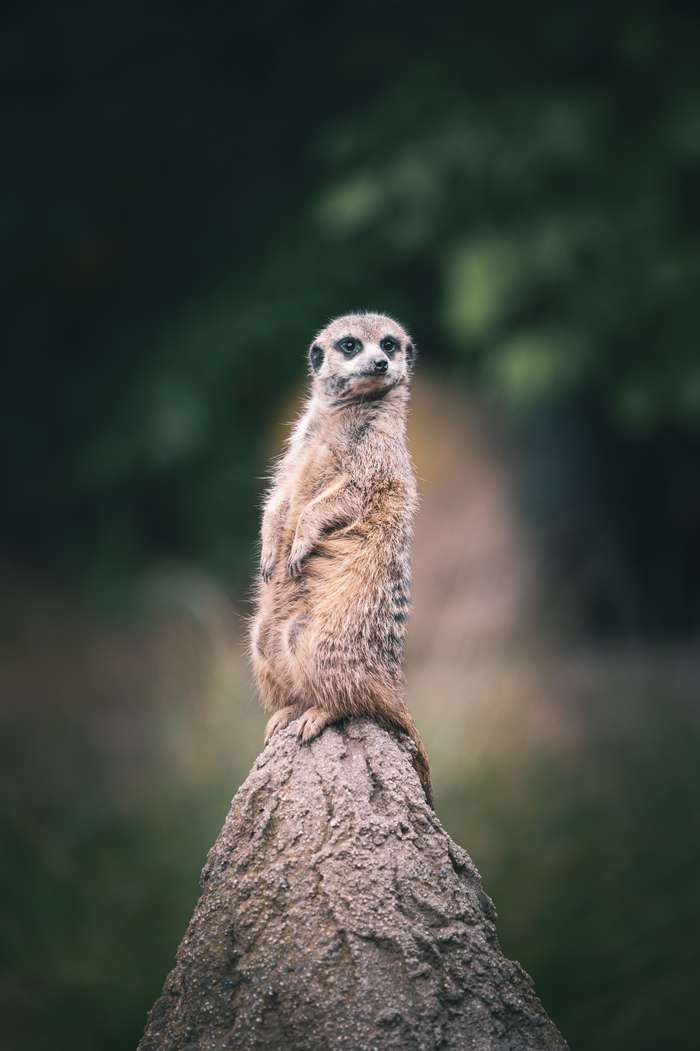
189,194
186,195
100,895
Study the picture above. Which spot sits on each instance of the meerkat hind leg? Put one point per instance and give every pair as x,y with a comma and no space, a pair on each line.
312,722
282,717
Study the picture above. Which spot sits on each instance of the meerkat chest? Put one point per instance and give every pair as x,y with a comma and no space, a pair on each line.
316,470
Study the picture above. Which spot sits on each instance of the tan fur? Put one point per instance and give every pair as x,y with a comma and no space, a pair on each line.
327,638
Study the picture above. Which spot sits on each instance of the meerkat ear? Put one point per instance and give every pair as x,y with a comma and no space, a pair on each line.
316,357
410,355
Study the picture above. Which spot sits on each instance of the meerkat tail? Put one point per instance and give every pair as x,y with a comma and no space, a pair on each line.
402,720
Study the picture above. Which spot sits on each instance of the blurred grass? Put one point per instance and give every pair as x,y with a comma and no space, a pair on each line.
91,934
592,861
578,803
122,741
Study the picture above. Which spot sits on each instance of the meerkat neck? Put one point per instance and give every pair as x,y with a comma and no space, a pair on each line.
358,416
392,402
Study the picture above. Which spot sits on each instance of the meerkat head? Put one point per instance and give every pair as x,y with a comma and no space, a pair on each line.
360,357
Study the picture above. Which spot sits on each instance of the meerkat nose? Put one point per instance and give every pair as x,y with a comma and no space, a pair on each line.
380,365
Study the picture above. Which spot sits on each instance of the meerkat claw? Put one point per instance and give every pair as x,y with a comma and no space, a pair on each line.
294,568
312,722
279,720
266,571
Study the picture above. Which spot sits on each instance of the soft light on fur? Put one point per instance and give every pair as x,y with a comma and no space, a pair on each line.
327,639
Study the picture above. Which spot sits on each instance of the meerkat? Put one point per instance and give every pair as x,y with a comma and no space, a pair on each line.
333,597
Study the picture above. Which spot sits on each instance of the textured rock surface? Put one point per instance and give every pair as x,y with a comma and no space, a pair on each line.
337,913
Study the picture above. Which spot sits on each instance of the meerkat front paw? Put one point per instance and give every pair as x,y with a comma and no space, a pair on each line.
311,723
296,562
301,549
267,562
280,719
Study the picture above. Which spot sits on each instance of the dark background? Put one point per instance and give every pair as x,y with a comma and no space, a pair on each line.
186,198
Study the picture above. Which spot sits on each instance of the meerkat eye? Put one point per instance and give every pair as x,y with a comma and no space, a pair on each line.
389,345
350,346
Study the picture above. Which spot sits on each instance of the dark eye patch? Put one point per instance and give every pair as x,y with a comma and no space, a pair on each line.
349,346
389,345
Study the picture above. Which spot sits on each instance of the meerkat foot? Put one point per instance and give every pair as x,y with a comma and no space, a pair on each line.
280,719
312,722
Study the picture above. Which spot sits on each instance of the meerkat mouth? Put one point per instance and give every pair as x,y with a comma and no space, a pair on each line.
357,393
361,387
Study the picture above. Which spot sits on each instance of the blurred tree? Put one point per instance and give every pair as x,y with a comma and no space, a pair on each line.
187,192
